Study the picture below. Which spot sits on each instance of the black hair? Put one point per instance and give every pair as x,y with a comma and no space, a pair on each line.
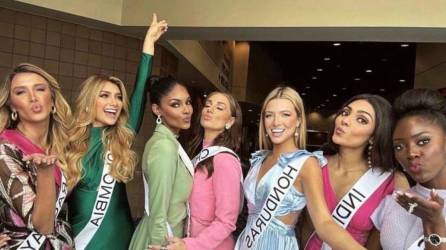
425,103
382,152
160,86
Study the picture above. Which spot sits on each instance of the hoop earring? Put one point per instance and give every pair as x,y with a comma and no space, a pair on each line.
296,133
14,115
53,110
158,120
369,154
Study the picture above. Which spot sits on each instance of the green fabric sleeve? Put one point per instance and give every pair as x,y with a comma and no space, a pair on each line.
160,170
138,99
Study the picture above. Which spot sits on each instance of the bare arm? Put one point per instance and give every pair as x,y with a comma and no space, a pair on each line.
373,242
326,227
43,212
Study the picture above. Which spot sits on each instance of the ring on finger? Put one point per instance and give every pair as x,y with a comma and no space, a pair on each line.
412,206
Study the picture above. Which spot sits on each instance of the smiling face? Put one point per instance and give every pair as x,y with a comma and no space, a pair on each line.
30,97
420,148
216,113
354,125
281,121
175,109
108,105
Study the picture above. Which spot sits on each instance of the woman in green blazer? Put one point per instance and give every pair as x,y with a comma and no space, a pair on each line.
168,172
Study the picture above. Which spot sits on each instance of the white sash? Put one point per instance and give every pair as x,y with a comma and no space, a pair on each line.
189,166
275,197
355,198
36,240
101,205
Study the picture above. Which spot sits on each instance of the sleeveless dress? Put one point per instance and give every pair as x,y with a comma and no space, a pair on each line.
117,227
277,235
361,224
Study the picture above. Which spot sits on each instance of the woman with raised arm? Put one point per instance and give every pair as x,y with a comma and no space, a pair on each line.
100,154
415,219
34,118
284,178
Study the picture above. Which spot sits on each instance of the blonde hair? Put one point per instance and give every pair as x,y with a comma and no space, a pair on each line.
291,95
117,139
59,121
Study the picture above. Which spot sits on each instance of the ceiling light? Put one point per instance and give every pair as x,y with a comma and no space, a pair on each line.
303,93
327,59
336,44
368,71
404,45
382,90
307,87
322,105
249,110
344,88
320,70
334,95
314,77
402,80
357,79
328,100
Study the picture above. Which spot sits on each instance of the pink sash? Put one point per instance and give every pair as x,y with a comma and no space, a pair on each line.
27,147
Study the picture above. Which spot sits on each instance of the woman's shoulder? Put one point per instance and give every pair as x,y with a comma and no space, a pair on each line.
258,156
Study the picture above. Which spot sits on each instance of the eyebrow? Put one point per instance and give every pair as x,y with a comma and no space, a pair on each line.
280,111
413,136
35,85
362,112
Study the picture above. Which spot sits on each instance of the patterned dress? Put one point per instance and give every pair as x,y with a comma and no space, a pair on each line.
17,192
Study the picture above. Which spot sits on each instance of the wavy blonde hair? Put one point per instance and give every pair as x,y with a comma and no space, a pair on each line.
117,139
59,121
291,95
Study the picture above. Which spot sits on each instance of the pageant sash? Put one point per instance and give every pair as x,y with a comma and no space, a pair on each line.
36,240
275,197
211,151
189,166
101,205
356,197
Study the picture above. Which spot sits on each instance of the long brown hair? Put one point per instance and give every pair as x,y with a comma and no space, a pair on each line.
59,121
117,138
382,151
229,138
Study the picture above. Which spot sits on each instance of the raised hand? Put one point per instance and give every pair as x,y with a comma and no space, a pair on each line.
155,31
429,210
41,161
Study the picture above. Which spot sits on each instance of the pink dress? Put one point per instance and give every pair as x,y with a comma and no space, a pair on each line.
361,223
214,205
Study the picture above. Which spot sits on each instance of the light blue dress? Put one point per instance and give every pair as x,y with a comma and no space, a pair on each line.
277,235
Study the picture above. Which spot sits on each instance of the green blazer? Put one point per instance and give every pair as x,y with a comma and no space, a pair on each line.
170,185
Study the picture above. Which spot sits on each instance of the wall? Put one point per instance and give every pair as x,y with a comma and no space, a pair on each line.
70,53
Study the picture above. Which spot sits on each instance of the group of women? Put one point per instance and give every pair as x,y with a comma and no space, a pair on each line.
348,196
